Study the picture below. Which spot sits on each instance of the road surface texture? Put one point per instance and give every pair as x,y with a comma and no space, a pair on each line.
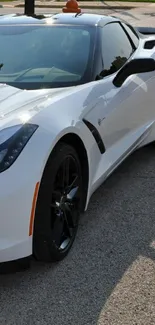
138,16
109,276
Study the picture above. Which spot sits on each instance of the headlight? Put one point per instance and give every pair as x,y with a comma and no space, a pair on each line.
12,141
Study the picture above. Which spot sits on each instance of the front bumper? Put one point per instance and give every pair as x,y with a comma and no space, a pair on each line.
10,250
17,188
16,196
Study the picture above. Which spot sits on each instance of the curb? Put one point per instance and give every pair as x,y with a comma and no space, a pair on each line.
59,6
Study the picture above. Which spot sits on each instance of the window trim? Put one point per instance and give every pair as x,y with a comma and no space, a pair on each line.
132,45
131,41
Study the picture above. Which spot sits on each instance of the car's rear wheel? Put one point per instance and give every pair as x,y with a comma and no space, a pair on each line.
58,206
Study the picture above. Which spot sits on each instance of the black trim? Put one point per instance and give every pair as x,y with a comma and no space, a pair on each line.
129,38
149,45
96,136
132,67
146,30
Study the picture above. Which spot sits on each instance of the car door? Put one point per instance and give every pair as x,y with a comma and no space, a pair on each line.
120,113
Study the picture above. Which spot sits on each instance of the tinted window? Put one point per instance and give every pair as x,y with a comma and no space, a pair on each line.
132,34
116,48
44,56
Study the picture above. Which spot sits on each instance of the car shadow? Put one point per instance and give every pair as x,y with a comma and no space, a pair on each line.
117,229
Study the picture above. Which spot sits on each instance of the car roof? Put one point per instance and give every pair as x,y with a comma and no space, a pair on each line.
60,18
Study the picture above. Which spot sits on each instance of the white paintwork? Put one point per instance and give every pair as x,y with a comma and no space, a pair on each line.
127,117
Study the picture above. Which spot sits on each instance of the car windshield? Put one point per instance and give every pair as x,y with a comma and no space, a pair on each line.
43,56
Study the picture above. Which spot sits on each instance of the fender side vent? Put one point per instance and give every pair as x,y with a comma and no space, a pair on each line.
96,135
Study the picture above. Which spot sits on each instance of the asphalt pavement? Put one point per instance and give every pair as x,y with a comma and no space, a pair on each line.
109,276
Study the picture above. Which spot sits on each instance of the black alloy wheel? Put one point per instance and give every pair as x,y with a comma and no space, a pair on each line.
58,206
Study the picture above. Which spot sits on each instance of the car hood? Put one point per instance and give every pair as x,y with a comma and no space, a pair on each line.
14,101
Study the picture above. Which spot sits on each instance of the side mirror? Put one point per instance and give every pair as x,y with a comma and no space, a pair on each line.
133,67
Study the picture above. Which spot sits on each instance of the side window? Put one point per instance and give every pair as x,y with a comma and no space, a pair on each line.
116,48
132,33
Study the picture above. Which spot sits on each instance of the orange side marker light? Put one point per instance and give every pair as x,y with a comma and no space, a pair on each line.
71,6
33,209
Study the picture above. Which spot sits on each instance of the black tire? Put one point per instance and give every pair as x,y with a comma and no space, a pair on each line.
57,213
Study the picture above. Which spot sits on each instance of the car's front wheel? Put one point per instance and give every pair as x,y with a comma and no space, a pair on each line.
58,205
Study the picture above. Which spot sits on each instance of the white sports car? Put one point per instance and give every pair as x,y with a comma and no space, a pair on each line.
77,96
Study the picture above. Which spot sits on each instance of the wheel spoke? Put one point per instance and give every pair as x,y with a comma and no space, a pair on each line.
65,172
72,193
55,205
71,215
68,206
65,202
69,228
58,228
56,196
72,184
